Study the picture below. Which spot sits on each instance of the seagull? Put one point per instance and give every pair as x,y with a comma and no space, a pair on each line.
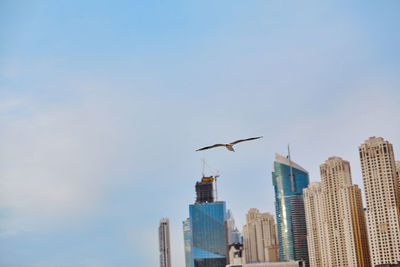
230,145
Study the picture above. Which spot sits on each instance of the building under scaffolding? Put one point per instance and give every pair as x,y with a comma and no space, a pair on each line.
204,190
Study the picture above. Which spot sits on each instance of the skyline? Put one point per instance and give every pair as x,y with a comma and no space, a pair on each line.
102,106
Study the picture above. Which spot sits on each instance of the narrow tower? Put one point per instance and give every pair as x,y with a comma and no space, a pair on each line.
316,225
187,235
164,240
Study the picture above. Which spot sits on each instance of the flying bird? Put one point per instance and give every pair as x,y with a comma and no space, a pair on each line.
230,145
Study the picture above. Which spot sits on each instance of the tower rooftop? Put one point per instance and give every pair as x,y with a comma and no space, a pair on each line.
284,160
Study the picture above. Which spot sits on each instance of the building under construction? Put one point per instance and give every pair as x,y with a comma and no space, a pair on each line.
204,190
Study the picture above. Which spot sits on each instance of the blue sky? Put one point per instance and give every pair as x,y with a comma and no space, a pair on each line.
103,103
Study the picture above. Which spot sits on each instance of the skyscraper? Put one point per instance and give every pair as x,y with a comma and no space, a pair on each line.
207,228
164,242
259,237
289,180
187,235
208,247
232,231
318,249
355,228
381,185
346,234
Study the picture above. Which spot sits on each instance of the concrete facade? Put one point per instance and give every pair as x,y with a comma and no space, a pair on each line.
381,185
316,225
335,218
259,237
164,242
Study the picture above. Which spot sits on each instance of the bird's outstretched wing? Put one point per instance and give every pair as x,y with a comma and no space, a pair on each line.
208,147
243,140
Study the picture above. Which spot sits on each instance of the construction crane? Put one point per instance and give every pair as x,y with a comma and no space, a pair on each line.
213,178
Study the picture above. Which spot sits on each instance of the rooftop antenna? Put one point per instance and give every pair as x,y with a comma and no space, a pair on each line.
291,171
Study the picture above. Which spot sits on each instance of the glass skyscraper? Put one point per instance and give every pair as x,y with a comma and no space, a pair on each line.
187,237
208,240
289,179
204,231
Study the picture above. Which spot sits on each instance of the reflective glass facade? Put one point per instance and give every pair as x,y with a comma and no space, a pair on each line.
289,204
208,242
187,236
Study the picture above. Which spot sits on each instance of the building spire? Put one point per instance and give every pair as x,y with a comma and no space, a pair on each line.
292,187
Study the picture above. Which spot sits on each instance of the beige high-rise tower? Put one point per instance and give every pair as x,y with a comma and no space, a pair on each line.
334,208
260,240
316,225
355,228
381,185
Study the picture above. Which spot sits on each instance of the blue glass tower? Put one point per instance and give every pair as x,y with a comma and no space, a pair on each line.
206,232
289,179
208,243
